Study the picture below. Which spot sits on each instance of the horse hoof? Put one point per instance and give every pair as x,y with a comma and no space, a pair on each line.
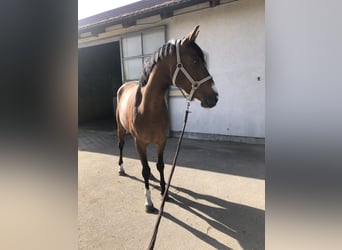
151,209
122,173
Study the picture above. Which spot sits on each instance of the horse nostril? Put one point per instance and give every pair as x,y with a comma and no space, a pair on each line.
210,102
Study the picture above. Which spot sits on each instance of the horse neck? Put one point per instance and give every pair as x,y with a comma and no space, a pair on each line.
155,89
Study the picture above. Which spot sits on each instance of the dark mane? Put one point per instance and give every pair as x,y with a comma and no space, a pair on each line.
162,52
151,61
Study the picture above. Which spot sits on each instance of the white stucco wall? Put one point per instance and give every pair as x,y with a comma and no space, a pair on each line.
233,35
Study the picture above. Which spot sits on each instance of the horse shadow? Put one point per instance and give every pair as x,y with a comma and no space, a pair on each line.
244,223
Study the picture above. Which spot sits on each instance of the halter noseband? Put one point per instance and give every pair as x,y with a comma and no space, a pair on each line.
194,84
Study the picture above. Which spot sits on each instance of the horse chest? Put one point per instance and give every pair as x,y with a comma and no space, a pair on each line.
151,127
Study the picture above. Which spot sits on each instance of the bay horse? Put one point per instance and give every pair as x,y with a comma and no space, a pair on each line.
141,107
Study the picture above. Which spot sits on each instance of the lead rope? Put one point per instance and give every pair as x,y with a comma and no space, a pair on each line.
161,209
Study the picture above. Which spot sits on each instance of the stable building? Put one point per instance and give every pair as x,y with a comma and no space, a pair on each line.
113,45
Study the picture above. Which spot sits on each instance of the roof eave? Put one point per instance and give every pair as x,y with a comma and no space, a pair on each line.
165,11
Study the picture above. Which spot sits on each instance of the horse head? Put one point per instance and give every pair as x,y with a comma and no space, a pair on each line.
191,73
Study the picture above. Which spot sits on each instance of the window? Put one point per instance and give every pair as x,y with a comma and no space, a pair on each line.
136,47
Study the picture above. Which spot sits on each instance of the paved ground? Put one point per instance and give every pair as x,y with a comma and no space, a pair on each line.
218,190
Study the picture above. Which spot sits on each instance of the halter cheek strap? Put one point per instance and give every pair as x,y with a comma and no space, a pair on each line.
194,84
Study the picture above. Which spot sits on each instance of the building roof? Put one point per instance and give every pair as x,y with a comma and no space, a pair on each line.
128,14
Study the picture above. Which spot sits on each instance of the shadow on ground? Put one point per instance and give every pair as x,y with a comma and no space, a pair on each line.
218,156
244,223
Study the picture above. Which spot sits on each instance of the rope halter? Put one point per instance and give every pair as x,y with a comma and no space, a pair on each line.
194,84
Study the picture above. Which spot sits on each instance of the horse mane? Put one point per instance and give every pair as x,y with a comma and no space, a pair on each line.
151,61
162,52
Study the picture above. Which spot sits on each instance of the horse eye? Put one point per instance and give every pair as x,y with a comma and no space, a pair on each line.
195,61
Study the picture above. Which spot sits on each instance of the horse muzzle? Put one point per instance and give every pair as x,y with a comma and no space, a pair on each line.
209,102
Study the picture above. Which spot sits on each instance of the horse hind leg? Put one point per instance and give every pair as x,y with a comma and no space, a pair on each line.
121,142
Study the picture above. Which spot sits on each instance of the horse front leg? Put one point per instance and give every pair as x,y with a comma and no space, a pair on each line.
160,166
146,172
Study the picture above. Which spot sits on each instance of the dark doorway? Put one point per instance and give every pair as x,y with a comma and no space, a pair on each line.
99,78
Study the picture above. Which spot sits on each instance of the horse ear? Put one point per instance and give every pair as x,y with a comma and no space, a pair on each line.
191,37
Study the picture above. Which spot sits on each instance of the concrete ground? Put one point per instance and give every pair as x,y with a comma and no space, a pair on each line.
218,190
